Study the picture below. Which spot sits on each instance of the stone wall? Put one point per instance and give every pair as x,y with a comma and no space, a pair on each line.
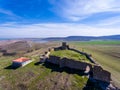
70,63
64,46
53,59
100,74
83,53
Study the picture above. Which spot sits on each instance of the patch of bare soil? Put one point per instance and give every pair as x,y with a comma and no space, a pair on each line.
22,86
28,77
5,85
56,82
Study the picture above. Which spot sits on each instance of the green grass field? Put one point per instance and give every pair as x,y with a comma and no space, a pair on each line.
37,77
107,42
106,53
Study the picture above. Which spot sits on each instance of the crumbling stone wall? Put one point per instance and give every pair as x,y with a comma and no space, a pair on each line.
63,47
100,74
66,47
70,63
88,56
53,59
74,64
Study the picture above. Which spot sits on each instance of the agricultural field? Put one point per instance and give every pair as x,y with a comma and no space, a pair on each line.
106,53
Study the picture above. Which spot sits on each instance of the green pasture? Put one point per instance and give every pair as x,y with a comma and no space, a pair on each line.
99,42
106,53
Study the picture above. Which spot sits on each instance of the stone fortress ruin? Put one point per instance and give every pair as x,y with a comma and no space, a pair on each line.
95,72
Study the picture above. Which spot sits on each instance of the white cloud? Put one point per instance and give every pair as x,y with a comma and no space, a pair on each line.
7,12
55,30
74,10
10,14
79,9
8,24
112,21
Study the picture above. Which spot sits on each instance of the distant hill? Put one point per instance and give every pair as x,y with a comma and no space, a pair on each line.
14,47
83,38
112,37
20,47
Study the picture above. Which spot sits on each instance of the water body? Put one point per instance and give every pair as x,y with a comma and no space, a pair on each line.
41,41
3,39
29,39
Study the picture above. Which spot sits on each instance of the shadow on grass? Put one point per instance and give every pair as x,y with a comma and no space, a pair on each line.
38,63
91,84
11,67
56,68
96,85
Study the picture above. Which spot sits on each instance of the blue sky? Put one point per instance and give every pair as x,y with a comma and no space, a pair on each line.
58,18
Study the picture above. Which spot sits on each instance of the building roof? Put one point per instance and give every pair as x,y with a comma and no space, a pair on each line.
22,59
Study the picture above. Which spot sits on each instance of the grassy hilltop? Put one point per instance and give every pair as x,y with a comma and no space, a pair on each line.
71,55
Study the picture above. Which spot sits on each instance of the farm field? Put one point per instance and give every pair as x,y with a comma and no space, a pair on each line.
106,53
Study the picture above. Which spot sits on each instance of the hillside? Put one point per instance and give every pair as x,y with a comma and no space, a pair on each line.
21,47
38,77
